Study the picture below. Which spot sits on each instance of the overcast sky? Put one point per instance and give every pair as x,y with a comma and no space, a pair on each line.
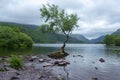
97,17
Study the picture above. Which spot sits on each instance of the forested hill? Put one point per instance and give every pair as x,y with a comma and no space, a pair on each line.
39,37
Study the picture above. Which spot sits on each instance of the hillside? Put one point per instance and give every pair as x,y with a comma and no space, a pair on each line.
97,40
80,37
37,36
117,32
101,38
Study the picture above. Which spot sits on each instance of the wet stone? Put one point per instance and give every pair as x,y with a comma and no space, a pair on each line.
0,58
96,68
61,63
15,78
93,62
101,60
33,58
47,64
41,60
94,78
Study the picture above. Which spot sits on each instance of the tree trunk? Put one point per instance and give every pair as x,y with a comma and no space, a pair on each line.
64,44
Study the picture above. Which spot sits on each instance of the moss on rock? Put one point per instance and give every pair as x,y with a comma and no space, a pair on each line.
57,55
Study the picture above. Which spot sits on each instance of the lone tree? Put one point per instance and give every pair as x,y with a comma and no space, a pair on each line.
57,20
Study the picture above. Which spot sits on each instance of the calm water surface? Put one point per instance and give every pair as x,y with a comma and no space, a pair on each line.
83,68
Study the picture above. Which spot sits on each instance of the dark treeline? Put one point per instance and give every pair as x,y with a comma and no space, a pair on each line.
112,40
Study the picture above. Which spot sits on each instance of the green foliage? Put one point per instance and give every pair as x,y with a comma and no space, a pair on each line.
16,62
36,35
112,40
25,40
13,38
57,20
117,41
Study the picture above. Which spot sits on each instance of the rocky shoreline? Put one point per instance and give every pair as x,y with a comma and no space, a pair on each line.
35,68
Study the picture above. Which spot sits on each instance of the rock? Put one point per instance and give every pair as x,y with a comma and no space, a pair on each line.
33,58
47,64
41,77
93,62
96,68
101,60
80,55
2,69
74,61
73,55
77,56
17,73
5,58
61,63
6,64
58,55
14,78
9,69
94,78
41,60
0,58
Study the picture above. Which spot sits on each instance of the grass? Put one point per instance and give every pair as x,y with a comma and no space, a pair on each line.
16,62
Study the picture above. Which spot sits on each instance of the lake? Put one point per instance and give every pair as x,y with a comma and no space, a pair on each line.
84,68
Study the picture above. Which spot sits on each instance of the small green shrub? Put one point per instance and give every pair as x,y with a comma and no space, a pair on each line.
16,62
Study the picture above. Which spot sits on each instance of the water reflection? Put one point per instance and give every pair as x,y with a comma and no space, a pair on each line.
83,68
8,52
112,51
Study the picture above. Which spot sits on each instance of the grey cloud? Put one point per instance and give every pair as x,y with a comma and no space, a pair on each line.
109,9
16,12
22,11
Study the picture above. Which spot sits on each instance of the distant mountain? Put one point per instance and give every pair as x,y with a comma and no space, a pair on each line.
80,37
37,36
101,38
18,24
98,40
117,32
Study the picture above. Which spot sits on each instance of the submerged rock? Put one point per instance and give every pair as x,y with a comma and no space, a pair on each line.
93,62
96,68
101,60
80,55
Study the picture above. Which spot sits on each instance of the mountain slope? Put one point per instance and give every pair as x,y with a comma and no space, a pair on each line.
80,37
101,38
117,32
98,40
37,36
